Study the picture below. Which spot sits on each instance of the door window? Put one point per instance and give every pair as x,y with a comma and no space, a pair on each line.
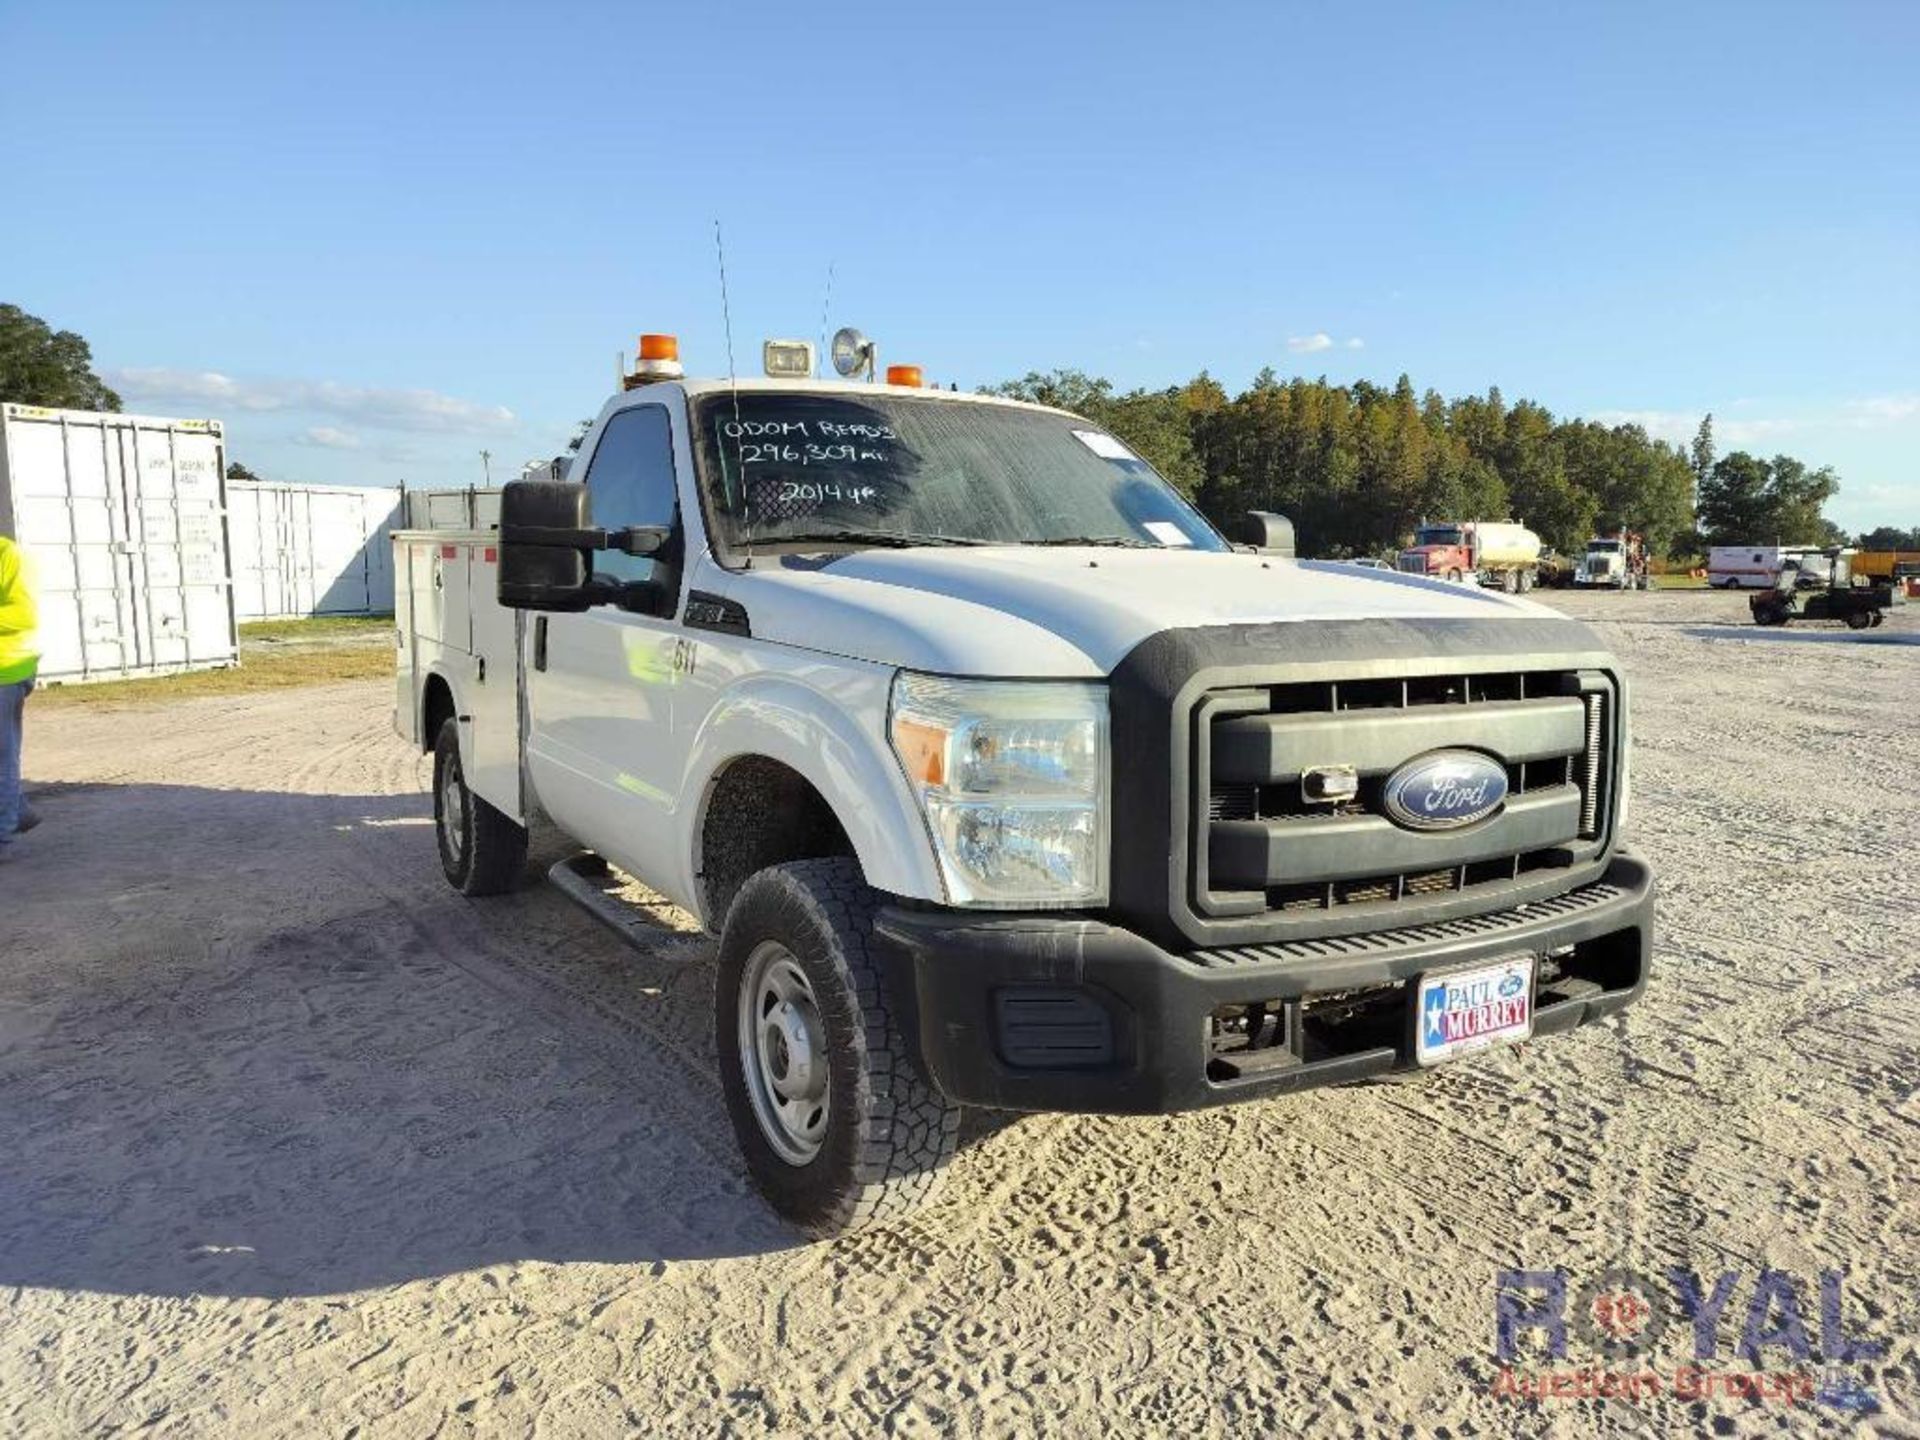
631,482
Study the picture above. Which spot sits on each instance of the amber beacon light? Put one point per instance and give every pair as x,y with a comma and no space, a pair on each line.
659,360
908,375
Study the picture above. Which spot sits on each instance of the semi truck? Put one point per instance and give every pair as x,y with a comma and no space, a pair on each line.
1003,777
1617,561
1499,554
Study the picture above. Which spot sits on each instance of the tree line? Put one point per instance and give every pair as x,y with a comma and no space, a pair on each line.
1357,466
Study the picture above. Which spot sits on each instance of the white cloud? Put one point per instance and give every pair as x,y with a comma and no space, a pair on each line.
1884,409
417,410
1320,340
328,437
1678,426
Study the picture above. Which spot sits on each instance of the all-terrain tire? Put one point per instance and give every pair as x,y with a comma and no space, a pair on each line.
482,852
888,1132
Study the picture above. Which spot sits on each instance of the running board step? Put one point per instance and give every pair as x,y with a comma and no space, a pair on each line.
586,880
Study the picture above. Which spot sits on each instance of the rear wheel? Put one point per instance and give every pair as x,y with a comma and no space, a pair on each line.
1526,581
482,852
1510,581
838,1124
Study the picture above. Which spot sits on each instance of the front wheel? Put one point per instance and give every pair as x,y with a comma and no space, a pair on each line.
839,1126
1454,576
482,852
1859,619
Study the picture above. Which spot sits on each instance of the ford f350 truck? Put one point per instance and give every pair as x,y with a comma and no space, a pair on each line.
1005,779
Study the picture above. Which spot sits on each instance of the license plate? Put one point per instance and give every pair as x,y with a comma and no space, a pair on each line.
1460,1011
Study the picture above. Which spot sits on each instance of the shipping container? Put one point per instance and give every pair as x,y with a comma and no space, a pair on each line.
473,508
303,550
124,519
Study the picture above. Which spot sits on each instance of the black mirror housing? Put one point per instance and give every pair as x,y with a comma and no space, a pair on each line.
546,546
1267,532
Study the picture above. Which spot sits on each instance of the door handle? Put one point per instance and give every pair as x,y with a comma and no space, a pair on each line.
540,643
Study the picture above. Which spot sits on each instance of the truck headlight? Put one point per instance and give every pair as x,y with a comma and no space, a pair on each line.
1012,778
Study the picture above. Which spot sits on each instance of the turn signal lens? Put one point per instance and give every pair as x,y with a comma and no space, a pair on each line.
922,748
908,375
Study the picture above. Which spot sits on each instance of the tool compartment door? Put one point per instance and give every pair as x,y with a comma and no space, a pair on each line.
491,738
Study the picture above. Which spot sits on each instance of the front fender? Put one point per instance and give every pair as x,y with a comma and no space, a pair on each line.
839,745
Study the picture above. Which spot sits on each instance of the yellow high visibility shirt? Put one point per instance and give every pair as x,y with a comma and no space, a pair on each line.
19,656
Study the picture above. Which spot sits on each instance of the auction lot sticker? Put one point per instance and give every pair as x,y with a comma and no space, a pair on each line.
1461,1011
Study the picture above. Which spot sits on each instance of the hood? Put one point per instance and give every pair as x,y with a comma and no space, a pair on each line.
1065,612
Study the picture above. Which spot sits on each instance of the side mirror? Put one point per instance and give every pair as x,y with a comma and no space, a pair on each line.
1266,532
546,546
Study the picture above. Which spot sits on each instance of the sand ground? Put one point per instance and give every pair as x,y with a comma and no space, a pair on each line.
295,1140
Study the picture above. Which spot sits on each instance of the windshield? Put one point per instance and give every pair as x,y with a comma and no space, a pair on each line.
1605,547
1438,535
794,466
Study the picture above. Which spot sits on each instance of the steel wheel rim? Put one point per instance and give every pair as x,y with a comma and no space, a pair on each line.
451,833
783,1053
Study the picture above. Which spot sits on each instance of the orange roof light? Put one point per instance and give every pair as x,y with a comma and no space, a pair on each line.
659,360
908,375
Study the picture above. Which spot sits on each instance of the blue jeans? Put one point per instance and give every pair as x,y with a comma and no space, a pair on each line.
13,708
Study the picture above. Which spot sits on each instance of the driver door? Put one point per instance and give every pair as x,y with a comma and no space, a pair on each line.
600,747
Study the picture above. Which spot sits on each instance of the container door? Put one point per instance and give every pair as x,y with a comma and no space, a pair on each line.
338,520
178,546
67,513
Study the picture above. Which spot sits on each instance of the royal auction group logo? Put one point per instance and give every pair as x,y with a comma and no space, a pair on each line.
1773,1336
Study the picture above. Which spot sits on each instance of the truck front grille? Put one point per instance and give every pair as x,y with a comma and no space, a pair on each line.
1263,848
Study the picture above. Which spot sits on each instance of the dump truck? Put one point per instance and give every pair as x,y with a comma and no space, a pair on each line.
1003,777
1503,554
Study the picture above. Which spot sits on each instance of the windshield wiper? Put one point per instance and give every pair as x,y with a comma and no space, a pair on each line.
889,539
1123,541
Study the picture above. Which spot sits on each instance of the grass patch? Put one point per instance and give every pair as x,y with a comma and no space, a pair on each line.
320,627
272,670
1678,582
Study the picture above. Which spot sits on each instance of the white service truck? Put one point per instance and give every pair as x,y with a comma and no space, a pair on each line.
1004,779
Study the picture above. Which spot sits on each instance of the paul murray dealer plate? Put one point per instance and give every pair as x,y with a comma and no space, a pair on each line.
1460,1011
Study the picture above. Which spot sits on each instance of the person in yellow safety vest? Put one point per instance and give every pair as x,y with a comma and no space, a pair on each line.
19,663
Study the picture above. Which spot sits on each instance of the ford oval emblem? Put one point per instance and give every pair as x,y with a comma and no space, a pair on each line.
1445,789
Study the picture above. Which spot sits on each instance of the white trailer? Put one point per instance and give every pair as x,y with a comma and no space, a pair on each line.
303,550
124,517
1756,567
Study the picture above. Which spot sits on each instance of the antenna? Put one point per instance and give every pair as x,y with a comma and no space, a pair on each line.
825,306
733,384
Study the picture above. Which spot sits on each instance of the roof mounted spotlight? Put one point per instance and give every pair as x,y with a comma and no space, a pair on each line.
787,359
852,353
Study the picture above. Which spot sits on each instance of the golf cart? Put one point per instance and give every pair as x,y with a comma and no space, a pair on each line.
1803,592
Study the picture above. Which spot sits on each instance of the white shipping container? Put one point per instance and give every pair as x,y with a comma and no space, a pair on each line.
125,519
474,508
303,550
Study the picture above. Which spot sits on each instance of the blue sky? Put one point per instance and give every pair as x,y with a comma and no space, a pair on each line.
377,240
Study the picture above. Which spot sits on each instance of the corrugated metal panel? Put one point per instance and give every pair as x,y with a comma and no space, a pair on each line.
311,549
125,518
469,509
